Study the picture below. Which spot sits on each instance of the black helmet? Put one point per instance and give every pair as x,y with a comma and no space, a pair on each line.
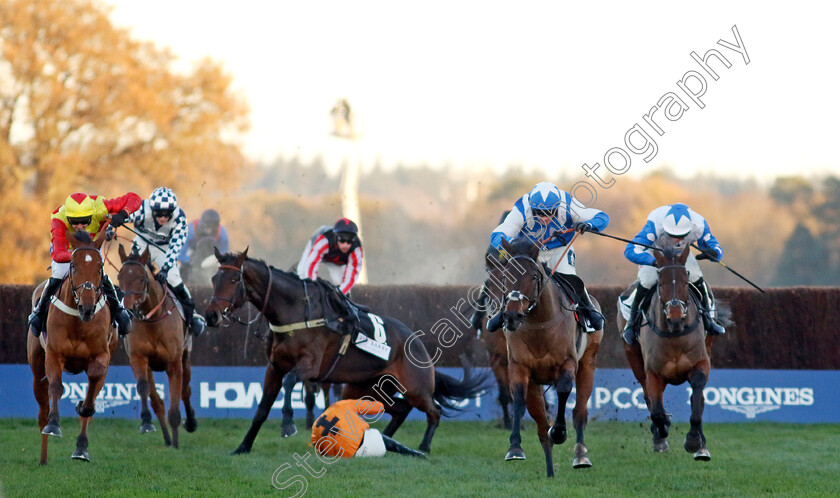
210,217
345,225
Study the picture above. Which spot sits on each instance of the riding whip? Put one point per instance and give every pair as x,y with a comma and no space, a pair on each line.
730,269
625,240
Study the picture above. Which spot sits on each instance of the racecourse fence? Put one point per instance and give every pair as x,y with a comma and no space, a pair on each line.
792,328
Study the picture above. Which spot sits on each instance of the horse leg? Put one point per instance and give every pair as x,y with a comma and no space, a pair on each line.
536,407
191,424
584,383
96,372
497,364
309,389
54,365
140,368
637,365
271,388
40,389
288,428
175,374
519,378
425,403
563,385
659,419
157,407
695,440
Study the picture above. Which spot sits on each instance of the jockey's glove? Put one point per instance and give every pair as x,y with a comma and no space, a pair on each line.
118,219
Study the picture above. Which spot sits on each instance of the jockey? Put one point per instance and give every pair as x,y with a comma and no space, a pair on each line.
340,432
340,251
207,227
675,225
542,215
162,227
83,212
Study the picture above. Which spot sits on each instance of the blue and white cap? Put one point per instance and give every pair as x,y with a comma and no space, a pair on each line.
545,196
677,222
163,199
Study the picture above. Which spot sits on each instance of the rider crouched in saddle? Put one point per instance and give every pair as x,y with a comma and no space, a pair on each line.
338,250
542,215
677,226
83,212
161,227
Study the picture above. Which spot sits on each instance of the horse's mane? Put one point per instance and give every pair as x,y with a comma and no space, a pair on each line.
521,245
83,237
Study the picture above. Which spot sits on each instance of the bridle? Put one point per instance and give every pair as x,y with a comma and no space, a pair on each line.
145,292
87,285
517,296
674,301
240,295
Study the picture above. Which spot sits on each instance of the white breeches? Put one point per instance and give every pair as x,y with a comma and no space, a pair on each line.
649,275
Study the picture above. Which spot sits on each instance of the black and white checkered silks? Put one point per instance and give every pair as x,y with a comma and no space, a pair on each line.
163,199
167,240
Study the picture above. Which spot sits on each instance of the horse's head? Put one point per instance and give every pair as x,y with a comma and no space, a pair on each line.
87,270
524,280
228,286
134,279
673,286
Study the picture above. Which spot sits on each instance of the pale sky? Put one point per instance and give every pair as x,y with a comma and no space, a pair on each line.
548,85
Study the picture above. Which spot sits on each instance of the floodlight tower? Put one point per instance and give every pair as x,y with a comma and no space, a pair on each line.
344,128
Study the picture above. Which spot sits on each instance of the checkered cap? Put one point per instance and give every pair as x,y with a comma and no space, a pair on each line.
163,199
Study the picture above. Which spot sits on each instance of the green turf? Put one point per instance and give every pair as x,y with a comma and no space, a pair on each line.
467,460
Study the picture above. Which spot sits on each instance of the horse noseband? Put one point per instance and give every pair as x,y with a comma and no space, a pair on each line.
675,303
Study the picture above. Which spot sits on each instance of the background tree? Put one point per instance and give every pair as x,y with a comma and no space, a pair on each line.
83,107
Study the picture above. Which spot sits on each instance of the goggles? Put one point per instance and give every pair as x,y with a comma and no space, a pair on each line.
162,213
548,213
79,220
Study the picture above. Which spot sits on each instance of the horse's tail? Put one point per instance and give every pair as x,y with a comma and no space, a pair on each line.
449,389
724,313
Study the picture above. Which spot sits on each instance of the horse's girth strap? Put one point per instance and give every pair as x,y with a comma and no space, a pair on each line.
287,329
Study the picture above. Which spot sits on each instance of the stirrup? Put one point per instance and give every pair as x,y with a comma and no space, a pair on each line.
711,326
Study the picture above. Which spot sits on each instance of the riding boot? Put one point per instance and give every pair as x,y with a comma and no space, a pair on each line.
38,317
480,312
708,308
196,322
396,447
630,334
585,307
119,315
495,322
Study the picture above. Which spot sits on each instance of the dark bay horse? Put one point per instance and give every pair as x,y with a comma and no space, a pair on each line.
309,391
544,347
79,339
312,350
158,342
673,349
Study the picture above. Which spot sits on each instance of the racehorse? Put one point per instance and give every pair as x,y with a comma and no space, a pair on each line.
673,348
303,308
544,347
158,342
79,338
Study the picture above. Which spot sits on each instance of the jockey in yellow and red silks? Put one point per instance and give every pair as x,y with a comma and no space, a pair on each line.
81,211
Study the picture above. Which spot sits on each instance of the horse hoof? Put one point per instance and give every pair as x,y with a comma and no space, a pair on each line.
660,447
557,437
240,451
289,431
144,428
581,463
190,425
703,455
515,454
84,413
52,430
80,455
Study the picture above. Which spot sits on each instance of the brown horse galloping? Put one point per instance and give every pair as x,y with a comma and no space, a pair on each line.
312,350
673,349
158,342
544,347
79,339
